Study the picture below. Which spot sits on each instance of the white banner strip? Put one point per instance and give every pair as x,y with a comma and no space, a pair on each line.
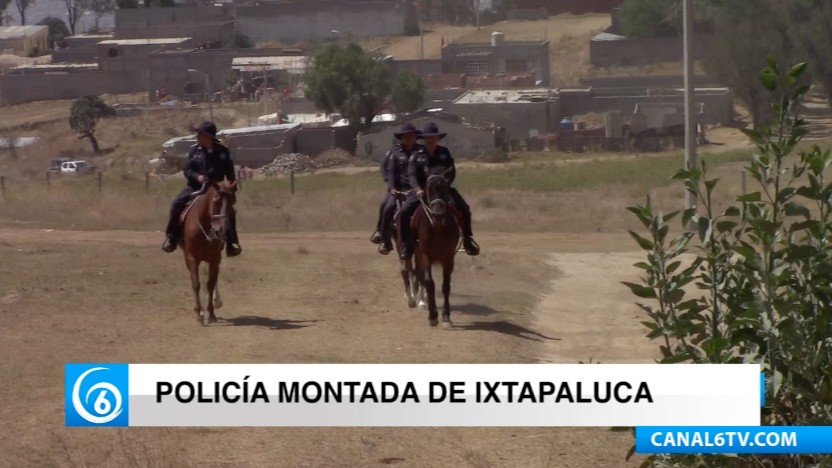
442,395
411,395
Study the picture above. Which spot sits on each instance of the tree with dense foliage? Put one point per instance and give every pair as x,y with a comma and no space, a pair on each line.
57,29
349,81
84,115
408,92
811,27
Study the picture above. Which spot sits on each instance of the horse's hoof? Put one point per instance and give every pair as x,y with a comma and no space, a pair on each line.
433,322
446,324
217,303
423,305
411,303
212,319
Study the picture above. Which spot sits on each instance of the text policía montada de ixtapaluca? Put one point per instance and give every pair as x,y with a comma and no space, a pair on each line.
245,391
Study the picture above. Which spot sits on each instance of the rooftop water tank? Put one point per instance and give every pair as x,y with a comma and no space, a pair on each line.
497,39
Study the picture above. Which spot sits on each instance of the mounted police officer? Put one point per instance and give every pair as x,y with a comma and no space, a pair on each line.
395,174
433,159
210,161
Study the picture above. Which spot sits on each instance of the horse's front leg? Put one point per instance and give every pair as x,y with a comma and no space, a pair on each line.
430,290
193,268
213,274
447,271
406,270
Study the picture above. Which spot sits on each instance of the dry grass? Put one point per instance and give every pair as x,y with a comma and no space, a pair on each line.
552,196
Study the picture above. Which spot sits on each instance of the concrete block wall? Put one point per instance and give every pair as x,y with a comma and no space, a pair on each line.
317,19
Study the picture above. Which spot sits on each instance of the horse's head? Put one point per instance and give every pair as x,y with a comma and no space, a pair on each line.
221,200
437,190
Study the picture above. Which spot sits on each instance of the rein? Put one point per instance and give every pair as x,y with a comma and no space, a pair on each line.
211,234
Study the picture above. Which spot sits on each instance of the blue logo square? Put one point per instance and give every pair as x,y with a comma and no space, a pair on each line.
96,394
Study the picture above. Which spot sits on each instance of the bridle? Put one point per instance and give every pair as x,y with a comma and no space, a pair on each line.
433,204
219,221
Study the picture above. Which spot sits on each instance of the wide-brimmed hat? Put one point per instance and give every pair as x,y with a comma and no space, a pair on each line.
431,129
207,128
406,128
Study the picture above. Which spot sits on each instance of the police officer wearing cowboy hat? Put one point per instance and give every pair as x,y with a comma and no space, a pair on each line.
207,160
395,174
433,159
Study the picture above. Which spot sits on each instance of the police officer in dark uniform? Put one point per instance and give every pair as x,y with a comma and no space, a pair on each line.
208,160
375,238
433,159
397,179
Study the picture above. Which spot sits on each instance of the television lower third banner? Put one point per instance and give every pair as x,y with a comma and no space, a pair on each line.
412,395
758,440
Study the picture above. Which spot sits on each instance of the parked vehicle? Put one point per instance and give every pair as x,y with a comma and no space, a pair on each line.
55,164
76,167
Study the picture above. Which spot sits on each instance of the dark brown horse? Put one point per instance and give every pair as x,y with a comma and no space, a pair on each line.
437,241
412,290
204,226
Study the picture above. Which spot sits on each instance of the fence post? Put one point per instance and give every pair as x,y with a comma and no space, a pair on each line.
99,183
146,181
292,180
742,179
48,183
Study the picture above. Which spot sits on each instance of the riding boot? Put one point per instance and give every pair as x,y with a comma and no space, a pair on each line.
377,237
172,231
232,244
407,241
468,243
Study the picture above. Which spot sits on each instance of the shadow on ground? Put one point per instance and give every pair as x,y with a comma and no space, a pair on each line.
507,328
270,323
474,309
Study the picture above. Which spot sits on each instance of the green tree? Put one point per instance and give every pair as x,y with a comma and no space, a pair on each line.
241,41
349,81
84,115
738,42
408,92
811,26
57,29
762,269
645,18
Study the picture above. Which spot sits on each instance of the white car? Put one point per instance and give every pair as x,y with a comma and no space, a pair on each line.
76,167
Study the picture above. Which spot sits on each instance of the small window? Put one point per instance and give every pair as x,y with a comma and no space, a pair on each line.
477,67
113,52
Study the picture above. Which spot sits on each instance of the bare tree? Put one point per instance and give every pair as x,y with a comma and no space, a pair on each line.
22,6
74,10
100,8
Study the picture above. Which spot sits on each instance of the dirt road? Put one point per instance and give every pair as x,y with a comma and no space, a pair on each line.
114,297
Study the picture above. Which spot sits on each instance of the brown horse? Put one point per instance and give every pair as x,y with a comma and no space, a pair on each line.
412,290
437,241
204,226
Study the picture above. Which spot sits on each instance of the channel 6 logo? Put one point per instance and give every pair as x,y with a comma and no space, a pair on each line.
96,394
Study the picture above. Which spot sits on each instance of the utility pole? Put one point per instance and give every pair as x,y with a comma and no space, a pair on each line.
478,15
690,111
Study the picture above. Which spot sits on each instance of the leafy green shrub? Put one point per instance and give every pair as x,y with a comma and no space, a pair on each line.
763,270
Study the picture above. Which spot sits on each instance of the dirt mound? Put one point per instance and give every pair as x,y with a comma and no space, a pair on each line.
332,158
286,164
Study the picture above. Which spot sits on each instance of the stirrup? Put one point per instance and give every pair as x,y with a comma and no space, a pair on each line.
471,247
